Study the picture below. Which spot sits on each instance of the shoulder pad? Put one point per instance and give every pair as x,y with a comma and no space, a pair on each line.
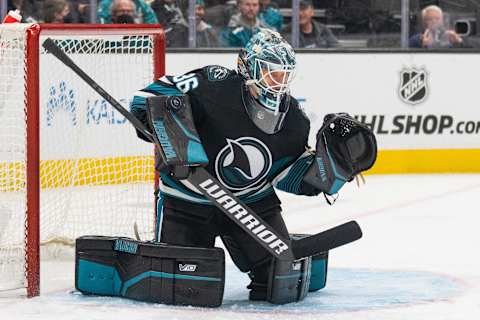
186,82
201,78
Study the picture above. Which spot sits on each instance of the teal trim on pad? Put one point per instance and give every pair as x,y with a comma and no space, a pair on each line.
157,274
187,133
98,278
137,100
339,181
337,185
159,89
196,153
318,277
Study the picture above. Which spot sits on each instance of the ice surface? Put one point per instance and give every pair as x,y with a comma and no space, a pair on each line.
418,260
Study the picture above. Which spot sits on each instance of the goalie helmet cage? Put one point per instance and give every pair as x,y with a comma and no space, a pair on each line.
94,183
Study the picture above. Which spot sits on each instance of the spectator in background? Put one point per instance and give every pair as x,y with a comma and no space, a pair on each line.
270,15
123,11
168,14
435,34
312,33
206,36
244,25
55,11
219,13
143,12
82,8
173,22
29,9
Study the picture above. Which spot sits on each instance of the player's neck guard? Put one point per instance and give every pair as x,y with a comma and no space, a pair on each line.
268,121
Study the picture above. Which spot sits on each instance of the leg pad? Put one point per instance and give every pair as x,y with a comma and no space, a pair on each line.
149,271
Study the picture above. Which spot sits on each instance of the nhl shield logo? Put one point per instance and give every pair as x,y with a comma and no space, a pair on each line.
413,86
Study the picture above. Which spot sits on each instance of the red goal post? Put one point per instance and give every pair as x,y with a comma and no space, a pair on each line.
136,43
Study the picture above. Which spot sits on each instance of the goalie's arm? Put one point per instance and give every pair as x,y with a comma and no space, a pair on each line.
345,147
291,179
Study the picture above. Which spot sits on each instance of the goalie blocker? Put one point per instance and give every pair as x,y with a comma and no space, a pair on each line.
170,118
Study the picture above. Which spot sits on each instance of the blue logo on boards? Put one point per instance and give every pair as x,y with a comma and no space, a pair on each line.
243,163
99,111
61,99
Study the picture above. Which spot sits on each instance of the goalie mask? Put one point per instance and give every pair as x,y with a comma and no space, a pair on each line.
267,63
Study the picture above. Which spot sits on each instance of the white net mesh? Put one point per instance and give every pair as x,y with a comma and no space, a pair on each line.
12,156
96,175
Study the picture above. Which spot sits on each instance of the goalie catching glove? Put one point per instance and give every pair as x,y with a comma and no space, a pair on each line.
345,147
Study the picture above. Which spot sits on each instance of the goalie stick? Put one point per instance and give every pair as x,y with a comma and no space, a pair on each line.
326,240
239,213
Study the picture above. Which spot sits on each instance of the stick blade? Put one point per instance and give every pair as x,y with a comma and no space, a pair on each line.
327,240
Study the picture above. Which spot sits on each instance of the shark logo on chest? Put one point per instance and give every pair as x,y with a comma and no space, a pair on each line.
243,163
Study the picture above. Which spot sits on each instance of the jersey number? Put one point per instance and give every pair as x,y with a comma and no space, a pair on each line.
186,82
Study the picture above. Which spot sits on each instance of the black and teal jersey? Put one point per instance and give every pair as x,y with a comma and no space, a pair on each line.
246,160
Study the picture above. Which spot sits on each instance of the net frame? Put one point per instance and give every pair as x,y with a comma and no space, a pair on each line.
32,116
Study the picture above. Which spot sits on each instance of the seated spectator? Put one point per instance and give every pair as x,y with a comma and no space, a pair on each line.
143,12
270,15
83,10
123,11
312,33
168,14
29,9
244,25
435,34
55,11
206,36
219,13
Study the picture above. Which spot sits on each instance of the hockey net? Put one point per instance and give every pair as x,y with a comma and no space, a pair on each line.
70,164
